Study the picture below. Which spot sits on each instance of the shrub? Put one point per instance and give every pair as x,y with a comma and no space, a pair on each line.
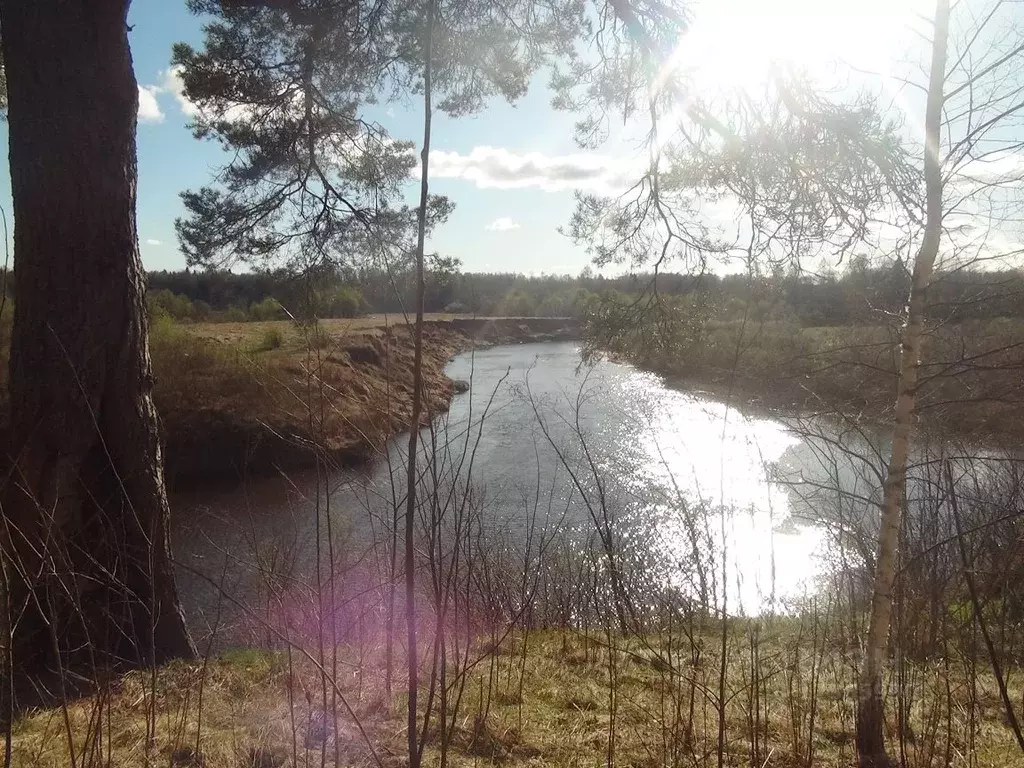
190,371
201,310
6,321
235,315
272,338
317,337
166,303
515,303
348,302
268,309
162,328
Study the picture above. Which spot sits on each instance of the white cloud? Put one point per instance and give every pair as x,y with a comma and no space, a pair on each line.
491,167
1001,169
151,241
502,224
171,82
149,107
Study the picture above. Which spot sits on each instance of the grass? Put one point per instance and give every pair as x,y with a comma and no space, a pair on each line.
272,338
230,397
549,703
245,713
247,335
234,398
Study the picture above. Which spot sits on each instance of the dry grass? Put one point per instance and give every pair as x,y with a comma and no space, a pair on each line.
558,713
231,402
970,374
245,335
254,714
238,398
566,713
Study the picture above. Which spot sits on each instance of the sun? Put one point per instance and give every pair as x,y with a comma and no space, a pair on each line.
734,44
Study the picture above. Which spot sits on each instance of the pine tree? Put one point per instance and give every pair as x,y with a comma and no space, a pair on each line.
285,86
85,515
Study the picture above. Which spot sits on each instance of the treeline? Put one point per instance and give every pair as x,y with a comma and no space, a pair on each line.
860,295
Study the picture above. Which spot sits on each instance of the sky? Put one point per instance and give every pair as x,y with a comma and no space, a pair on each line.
512,169
507,213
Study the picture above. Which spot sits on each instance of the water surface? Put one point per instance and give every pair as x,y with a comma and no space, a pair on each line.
546,439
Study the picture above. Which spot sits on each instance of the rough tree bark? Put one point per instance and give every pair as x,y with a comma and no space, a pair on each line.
85,510
870,713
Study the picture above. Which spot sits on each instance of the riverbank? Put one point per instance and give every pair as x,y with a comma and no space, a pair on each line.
970,383
555,698
238,399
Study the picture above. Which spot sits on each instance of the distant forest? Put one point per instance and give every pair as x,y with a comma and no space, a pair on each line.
860,295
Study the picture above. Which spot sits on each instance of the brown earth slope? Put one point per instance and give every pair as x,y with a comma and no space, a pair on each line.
256,398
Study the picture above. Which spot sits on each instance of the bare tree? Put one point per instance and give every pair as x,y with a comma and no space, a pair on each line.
870,717
814,177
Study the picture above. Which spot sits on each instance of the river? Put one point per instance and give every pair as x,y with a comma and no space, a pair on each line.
691,476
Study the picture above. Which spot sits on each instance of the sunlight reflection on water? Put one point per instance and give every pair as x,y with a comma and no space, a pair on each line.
717,458
676,458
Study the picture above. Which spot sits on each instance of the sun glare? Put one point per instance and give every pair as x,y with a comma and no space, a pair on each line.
733,44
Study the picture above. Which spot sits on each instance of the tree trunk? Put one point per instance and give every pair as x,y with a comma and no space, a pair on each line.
870,713
415,747
85,512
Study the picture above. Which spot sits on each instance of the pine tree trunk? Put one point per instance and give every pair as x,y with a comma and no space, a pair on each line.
870,712
85,512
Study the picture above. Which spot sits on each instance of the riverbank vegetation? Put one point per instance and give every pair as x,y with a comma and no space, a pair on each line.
747,353
556,644
551,698
234,404
791,342
233,397
857,293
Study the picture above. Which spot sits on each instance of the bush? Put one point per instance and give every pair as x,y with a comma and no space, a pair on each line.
317,337
516,303
165,303
6,321
348,302
201,310
272,339
191,371
268,309
235,315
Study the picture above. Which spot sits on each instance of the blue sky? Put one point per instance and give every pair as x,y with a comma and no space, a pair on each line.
507,168
511,169
492,229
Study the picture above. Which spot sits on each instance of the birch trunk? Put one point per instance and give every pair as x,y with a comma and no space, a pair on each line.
871,749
